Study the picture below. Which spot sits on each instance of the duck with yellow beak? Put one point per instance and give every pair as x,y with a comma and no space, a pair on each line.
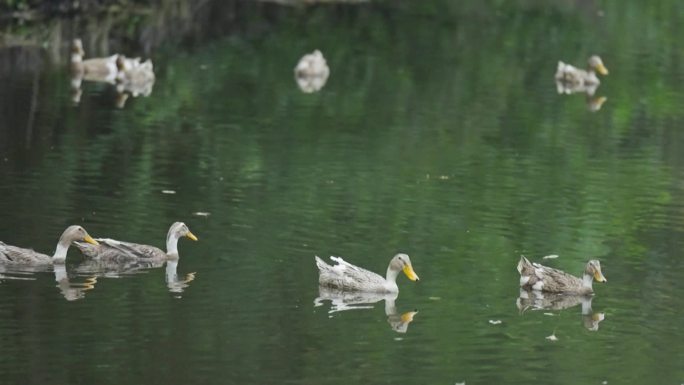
114,251
534,276
345,276
569,74
12,255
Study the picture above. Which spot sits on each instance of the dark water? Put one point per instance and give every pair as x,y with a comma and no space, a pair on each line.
439,133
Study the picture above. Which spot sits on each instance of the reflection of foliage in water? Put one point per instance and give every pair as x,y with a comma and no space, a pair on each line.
439,127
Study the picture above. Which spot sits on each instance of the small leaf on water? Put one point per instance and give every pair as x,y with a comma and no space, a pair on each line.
552,256
168,192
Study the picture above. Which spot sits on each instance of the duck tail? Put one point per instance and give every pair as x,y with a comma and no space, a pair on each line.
523,263
321,264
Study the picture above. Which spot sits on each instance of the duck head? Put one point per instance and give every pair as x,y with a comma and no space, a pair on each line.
593,269
77,51
76,233
402,262
596,63
180,230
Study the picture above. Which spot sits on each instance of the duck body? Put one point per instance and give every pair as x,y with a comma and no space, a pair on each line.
311,72
13,255
576,77
348,277
114,251
534,276
103,69
312,64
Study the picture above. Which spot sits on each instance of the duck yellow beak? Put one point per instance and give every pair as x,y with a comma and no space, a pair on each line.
408,316
602,69
90,240
408,270
598,276
191,236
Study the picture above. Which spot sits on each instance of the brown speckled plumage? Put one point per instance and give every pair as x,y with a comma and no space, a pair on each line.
534,276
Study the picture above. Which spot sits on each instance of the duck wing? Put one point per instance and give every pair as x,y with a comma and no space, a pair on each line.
534,276
12,255
346,276
113,251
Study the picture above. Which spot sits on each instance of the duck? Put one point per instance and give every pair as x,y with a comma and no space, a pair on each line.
311,72
13,255
534,276
345,276
573,75
102,69
114,251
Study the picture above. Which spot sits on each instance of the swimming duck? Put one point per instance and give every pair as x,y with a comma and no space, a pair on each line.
116,251
12,255
534,276
345,276
573,75
311,72
102,69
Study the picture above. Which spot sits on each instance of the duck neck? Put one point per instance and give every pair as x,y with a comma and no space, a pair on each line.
172,245
391,278
76,58
61,251
587,281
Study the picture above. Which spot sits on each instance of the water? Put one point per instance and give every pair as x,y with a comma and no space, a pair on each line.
439,133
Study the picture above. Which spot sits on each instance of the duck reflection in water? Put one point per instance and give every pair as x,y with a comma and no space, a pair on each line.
311,72
536,300
134,79
345,300
594,103
173,283
72,291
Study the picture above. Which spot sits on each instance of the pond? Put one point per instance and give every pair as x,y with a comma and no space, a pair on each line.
439,133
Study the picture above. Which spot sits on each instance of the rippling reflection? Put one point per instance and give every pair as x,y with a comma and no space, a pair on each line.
174,284
343,301
535,300
115,269
72,291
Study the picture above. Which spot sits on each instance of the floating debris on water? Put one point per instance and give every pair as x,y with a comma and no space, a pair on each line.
549,314
460,383
434,298
168,191
552,337
495,322
201,214
552,256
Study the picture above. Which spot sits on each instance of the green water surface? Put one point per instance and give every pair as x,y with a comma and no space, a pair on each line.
439,133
